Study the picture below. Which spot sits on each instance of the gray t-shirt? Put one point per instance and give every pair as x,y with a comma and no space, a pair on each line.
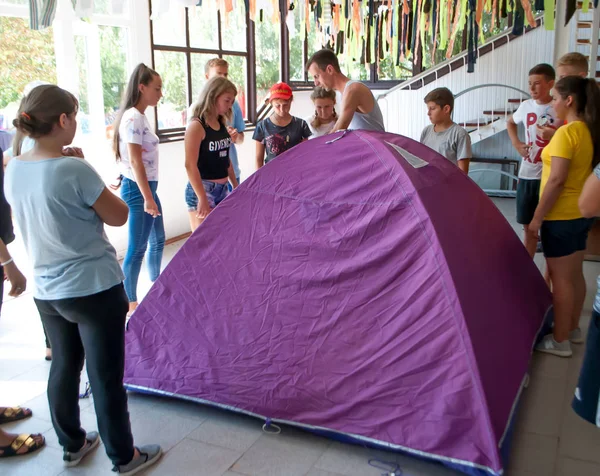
52,205
278,139
454,143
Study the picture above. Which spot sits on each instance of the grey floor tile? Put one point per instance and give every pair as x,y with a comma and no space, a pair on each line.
236,432
541,409
290,453
47,461
579,439
533,453
39,407
194,458
29,425
353,460
163,429
320,472
573,467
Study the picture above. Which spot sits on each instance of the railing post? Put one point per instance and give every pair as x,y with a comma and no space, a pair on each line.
594,43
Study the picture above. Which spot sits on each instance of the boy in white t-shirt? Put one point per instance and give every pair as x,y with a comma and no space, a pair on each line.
540,121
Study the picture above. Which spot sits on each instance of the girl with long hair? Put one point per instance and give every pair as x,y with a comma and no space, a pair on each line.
325,116
567,162
136,149
207,143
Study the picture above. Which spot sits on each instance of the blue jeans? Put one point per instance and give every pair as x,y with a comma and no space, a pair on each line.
143,229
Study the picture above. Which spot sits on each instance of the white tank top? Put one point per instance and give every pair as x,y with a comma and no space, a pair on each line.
373,121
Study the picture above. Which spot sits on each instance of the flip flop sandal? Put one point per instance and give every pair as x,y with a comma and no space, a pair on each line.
22,440
11,414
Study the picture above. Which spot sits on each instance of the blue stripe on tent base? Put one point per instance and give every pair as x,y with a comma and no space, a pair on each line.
341,437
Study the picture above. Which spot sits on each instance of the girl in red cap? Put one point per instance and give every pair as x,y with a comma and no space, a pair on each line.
280,131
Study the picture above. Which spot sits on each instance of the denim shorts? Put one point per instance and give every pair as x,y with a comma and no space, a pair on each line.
215,192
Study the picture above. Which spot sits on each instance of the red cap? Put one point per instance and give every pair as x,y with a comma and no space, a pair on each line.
280,91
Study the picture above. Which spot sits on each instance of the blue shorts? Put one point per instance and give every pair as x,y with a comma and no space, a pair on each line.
587,394
564,237
215,192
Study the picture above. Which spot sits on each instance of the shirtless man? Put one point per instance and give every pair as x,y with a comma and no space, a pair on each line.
359,107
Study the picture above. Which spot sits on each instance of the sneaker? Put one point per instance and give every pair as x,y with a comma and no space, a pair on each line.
92,440
576,336
149,454
550,346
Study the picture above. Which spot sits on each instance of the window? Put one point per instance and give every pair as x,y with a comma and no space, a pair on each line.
34,53
90,58
184,40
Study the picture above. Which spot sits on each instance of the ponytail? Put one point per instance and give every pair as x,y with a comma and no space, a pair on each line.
586,98
591,116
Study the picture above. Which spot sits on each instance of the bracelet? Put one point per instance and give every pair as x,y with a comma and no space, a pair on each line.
6,262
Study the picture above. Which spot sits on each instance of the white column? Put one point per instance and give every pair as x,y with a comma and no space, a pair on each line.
94,80
564,40
64,47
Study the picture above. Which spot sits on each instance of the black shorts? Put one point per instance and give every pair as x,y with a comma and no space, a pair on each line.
565,237
587,394
528,196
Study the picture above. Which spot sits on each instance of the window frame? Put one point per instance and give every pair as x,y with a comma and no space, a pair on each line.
254,112
67,26
177,133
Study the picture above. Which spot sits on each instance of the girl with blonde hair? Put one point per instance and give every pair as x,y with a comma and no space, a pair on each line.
207,143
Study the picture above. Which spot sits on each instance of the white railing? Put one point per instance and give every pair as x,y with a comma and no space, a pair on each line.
506,65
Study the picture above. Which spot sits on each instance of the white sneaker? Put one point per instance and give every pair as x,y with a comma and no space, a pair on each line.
576,336
550,346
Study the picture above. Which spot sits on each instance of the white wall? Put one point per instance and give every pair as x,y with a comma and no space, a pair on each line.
404,111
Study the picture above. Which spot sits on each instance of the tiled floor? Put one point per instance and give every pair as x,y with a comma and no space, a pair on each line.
549,439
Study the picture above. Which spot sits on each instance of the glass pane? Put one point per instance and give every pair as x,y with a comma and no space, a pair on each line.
237,75
387,70
233,29
204,32
199,74
102,7
297,50
169,27
28,56
113,61
353,69
81,60
172,109
267,35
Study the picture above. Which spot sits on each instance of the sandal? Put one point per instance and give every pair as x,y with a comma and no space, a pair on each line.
11,414
20,441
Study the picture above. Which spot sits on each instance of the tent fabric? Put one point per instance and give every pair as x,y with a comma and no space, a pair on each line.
360,284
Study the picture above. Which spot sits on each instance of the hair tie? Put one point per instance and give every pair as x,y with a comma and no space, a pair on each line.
26,116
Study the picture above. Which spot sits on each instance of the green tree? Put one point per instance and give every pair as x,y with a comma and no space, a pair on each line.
26,55
113,61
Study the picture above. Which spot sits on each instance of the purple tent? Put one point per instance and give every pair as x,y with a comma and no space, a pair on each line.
358,285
